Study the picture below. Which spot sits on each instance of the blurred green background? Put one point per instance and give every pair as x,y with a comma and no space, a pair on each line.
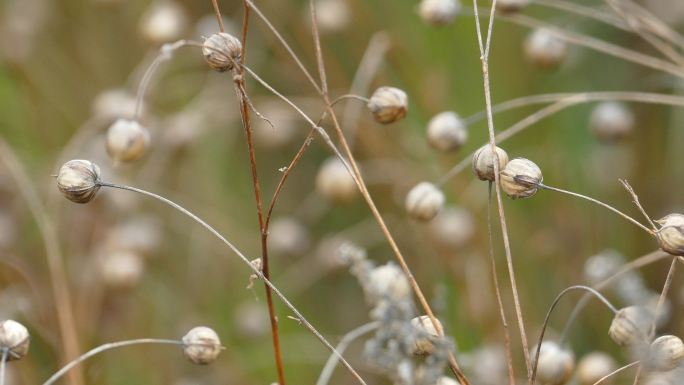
59,57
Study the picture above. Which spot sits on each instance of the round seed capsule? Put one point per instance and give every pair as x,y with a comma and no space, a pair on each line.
201,345
221,50
127,140
79,180
288,236
446,132
671,234
611,122
595,366
424,201
388,105
438,12
335,183
453,227
520,178
511,6
631,326
424,343
121,269
331,15
164,22
544,49
555,364
14,337
388,280
666,353
483,162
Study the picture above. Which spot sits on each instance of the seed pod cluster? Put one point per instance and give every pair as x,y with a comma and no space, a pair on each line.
631,326
221,50
15,338
127,140
335,183
555,364
201,345
428,333
79,180
544,49
595,366
671,234
446,132
611,122
483,162
388,105
424,201
666,353
438,12
520,178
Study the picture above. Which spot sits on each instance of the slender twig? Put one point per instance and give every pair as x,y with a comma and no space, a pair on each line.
104,347
3,364
497,290
635,199
347,339
484,59
663,293
244,259
58,277
219,19
598,202
616,371
548,317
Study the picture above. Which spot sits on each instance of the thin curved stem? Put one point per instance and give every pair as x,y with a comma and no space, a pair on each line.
244,259
348,338
219,19
598,202
3,365
616,371
103,348
663,293
548,316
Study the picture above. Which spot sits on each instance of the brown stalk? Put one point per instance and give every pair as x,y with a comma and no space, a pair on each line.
358,179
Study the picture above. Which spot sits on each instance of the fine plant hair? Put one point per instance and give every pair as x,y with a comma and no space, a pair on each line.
389,350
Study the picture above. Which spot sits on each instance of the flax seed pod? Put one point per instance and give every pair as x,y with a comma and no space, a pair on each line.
335,183
221,50
79,180
453,227
15,338
201,345
520,178
483,162
331,15
127,140
388,105
545,49
438,12
121,269
595,366
671,234
424,201
427,334
446,132
388,280
287,236
164,22
511,6
611,122
666,353
114,103
631,326
555,364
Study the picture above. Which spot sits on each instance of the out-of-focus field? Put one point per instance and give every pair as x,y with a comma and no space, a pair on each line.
58,58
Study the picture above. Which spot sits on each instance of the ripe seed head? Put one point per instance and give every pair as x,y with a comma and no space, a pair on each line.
483,162
555,364
666,353
446,132
335,183
544,49
611,122
14,337
595,366
631,326
201,345
671,234
388,280
520,178
424,201
127,140
388,105
438,12
221,50
424,343
79,180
